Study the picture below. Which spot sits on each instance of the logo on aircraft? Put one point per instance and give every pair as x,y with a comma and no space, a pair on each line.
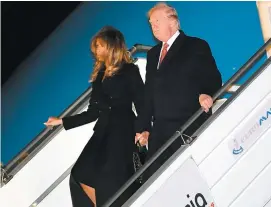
242,141
199,201
237,147
265,117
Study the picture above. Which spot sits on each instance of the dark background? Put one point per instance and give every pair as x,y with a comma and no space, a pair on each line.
24,26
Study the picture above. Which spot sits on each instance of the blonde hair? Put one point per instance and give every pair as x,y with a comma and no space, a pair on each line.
170,12
116,52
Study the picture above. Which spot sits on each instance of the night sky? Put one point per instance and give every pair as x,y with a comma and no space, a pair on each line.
24,26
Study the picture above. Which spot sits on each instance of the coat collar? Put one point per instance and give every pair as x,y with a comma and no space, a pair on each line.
173,50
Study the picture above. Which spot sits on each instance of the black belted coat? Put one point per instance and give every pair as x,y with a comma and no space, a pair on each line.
106,161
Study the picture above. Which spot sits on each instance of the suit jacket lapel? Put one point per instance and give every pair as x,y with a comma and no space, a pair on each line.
157,55
173,50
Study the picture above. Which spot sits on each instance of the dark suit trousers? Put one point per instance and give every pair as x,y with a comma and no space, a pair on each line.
161,132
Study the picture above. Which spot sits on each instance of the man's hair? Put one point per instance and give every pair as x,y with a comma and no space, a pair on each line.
170,12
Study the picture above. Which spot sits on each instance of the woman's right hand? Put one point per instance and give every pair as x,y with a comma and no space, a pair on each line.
53,121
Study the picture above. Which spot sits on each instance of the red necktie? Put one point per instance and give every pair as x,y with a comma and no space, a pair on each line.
163,53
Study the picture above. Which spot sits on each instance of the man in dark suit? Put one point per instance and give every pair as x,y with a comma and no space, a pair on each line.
181,77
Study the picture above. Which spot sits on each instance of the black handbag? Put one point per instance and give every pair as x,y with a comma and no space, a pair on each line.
139,158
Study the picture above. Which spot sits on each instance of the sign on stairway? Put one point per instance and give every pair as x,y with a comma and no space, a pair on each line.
185,188
251,128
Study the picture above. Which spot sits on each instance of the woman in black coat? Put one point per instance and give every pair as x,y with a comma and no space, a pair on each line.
106,162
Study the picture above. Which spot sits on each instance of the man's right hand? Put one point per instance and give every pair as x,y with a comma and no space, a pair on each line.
142,138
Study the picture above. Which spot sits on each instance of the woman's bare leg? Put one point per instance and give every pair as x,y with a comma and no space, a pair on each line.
90,192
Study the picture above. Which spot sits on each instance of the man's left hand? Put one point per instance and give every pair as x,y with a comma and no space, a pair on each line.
206,102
